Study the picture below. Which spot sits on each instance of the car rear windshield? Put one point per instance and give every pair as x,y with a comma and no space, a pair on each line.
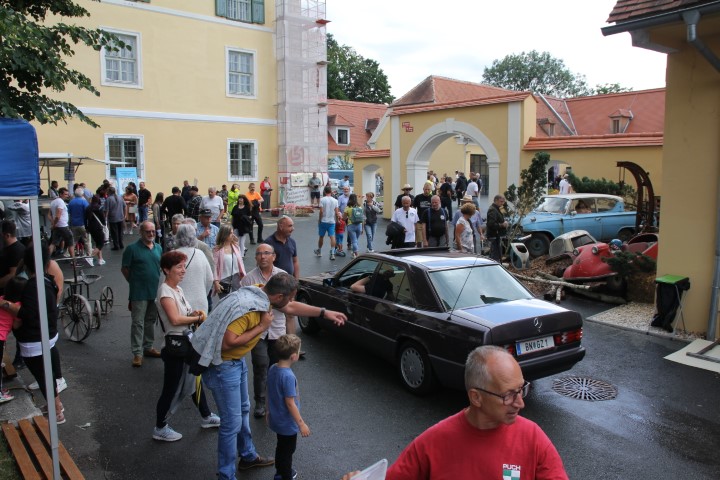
475,286
552,205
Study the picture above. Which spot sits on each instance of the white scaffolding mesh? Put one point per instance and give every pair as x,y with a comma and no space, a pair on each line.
302,86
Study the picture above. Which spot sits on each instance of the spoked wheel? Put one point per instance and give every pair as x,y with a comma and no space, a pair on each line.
66,293
106,300
96,314
77,318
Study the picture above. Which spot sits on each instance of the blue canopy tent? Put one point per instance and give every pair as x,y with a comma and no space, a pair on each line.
20,179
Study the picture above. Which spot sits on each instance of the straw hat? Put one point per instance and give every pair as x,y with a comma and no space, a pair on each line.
466,199
407,187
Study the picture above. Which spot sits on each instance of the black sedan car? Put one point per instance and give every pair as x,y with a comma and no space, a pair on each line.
425,310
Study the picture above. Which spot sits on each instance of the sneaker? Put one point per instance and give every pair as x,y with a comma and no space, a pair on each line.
166,434
61,385
317,252
101,262
60,417
211,421
355,255
279,477
5,396
341,253
66,255
258,462
332,256
259,411
371,251
90,261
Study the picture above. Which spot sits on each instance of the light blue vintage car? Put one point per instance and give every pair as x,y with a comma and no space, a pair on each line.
602,216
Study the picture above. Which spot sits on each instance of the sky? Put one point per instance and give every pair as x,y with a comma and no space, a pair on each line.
413,39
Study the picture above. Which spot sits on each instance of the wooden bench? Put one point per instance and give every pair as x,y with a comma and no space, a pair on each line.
29,443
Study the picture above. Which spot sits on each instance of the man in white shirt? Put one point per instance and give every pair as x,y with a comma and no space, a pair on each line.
215,204
565,186
59,224
407,217
473,190
326,222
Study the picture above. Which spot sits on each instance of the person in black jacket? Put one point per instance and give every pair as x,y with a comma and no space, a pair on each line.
460,187
28,333
496,227
241,221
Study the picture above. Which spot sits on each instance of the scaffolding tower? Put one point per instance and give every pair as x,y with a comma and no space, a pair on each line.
302,87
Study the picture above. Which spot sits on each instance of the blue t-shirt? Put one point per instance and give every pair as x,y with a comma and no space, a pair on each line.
281,384
76,209
284,253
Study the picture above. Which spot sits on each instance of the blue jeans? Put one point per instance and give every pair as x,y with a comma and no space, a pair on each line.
228,383
370,234
142,214
354,231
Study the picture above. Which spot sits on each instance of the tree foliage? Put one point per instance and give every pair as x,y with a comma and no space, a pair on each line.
607,88
340,162
33,53
350,76
533,184
594,185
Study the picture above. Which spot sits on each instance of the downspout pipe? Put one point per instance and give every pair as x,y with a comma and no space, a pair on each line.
691,19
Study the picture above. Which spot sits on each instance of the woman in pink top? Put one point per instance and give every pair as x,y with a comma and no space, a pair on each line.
13,292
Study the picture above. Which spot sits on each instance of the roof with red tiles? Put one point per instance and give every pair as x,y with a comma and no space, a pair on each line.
594,115
595,141
634,9
373,153
436,90
360,118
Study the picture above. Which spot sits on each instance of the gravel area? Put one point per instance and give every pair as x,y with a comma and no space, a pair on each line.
637,317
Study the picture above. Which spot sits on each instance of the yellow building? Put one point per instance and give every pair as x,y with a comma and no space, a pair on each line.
688,32
212,92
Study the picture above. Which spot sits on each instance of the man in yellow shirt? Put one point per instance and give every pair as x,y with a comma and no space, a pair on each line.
231,330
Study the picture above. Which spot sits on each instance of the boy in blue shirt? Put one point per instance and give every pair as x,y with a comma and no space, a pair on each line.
283,406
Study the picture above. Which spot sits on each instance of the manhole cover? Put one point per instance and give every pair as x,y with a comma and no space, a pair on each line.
585,388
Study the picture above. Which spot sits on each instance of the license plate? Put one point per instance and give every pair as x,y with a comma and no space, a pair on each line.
535,345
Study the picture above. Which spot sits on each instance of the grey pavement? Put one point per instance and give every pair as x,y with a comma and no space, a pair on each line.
664,424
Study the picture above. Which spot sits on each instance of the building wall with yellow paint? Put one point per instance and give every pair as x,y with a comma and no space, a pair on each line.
180,107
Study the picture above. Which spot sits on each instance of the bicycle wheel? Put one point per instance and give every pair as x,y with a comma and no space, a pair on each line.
66,293
96,314
106,300
77,318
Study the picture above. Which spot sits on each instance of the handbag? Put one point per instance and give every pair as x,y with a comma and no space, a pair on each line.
105,229
178,345
231,282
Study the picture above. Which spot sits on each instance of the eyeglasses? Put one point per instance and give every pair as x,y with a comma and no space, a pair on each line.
509,398
406,214
262,254
149,231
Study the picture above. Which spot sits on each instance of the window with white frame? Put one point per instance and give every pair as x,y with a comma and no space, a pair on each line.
126,149
242,160
343,136
121,67
240,73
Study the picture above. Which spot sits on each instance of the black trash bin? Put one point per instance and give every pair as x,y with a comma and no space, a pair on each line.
669,290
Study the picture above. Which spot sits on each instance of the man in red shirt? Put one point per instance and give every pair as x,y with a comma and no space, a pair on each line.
489,439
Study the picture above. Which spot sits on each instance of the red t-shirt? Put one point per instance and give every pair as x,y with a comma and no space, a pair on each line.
455,450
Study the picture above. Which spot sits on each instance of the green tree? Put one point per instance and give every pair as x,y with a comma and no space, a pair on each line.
536,72
340,162
594,185
607,88
350,76
524,198
33,53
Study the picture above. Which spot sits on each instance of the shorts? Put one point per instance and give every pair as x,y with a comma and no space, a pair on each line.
60,234
339,238
324,228
315,195
79,233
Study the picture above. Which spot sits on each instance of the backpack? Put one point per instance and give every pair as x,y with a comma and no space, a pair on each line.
357,215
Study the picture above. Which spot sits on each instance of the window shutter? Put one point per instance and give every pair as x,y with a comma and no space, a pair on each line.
221,8
258,11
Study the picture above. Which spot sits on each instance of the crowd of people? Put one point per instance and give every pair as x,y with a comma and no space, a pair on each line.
186,258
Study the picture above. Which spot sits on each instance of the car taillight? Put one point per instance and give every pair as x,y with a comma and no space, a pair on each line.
568,337
510,349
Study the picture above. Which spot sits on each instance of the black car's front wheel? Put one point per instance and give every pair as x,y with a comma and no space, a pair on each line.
308,325
415,369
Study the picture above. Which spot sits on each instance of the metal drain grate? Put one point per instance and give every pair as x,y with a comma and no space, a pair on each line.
582,388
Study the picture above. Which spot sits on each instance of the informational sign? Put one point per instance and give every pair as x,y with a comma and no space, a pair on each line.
69,173
297,196
124,176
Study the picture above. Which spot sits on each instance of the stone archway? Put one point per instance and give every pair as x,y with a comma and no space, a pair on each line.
418,159
368,179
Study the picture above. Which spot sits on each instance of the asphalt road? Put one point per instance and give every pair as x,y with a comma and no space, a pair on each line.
664,424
